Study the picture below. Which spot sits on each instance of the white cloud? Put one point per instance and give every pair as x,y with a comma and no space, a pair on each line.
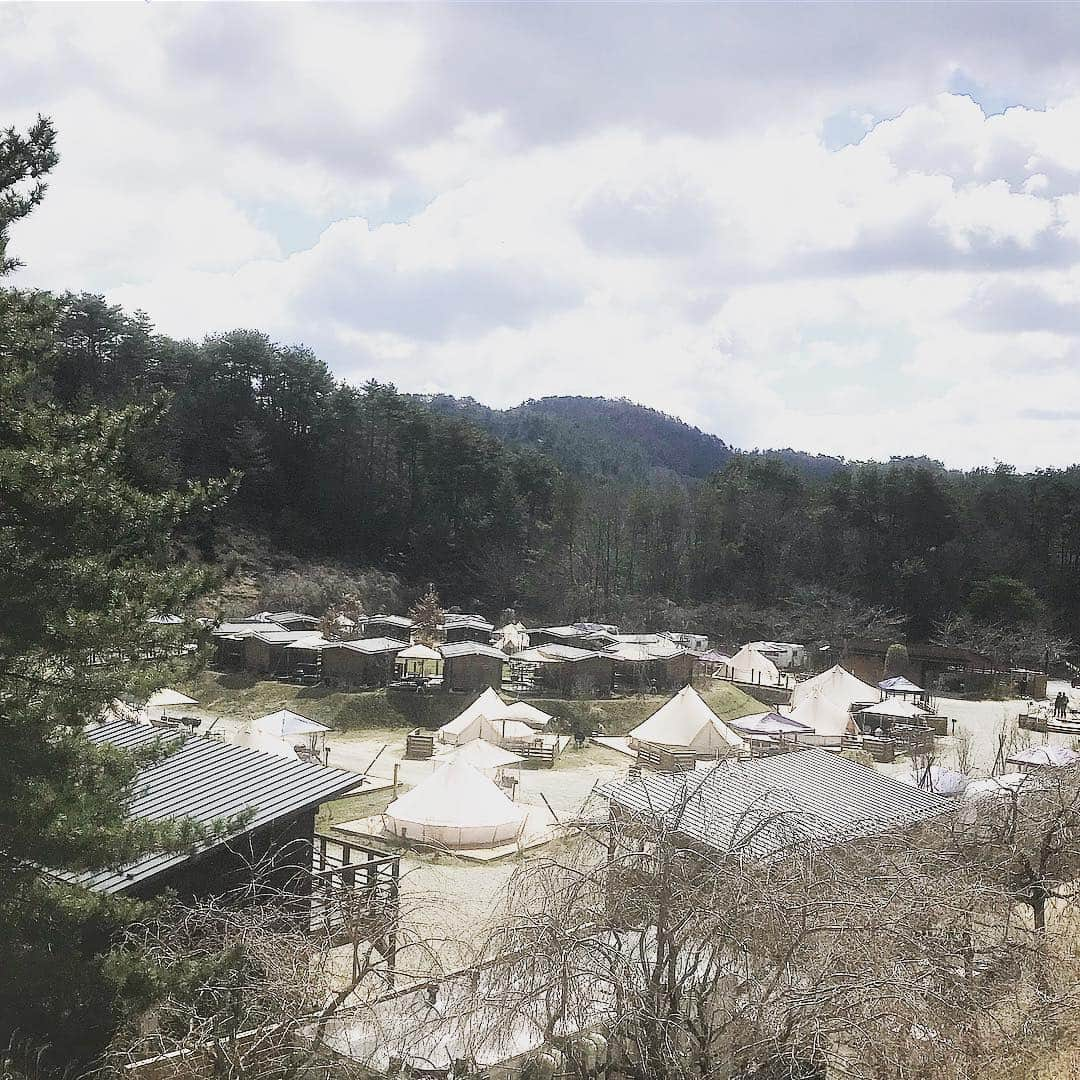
514,201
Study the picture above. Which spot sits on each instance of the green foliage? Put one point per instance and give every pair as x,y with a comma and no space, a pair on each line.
597,437
1003,599
89,544
317,588
897,661
427,614
24,162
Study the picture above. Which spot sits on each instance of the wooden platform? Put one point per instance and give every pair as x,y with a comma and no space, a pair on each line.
1057,727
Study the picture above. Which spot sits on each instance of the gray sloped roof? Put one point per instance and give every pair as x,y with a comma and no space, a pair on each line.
370,646
207,780
471,648
759,807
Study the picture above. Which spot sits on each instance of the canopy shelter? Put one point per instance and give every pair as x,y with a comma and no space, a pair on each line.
504,730
770,723
300,733
896,708
685,722
748,665
161,702
528,714
166,698
898,686
714,656
823,716
1054,756
839,686
418,661
455,807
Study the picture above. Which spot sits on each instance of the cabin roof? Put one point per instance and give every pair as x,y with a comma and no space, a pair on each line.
757,808
207,780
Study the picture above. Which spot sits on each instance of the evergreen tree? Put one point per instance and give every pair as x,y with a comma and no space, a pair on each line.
88,558
427,614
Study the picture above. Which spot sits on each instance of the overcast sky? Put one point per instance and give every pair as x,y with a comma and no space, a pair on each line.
848,229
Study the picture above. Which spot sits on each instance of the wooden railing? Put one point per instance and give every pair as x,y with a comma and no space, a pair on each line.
355,893
664,759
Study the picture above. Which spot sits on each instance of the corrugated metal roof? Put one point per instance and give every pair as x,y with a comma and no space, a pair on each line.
757,808
452,620
391,620
370,645
470,648
245,628
207,780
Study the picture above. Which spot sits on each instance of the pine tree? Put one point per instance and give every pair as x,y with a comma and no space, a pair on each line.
88,558
427,614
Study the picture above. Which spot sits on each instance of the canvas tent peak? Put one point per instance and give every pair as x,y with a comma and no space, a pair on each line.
482,755
839,686
748,665
686,722
824,716
466,725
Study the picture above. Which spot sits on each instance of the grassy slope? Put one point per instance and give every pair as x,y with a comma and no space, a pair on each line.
244,695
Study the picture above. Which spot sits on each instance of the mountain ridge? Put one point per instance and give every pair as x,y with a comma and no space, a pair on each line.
614,438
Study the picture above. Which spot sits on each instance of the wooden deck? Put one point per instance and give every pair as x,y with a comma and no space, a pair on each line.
1057,727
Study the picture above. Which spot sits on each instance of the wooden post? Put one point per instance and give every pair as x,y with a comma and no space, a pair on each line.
397,765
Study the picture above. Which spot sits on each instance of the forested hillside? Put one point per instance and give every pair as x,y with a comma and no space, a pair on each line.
615,439
692,533
598,437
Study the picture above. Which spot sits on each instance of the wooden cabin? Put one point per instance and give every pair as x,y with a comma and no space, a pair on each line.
655,672
566,671
209,780
469,665
368,662
395,627
456,628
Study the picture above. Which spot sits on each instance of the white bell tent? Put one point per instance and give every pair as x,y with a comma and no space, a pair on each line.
455,807
686,723
466,725
839,686
824,716
491,718
748,665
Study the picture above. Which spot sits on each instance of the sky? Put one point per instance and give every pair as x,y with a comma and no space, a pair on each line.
848,229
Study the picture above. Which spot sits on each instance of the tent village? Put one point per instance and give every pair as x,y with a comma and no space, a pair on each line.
540,725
